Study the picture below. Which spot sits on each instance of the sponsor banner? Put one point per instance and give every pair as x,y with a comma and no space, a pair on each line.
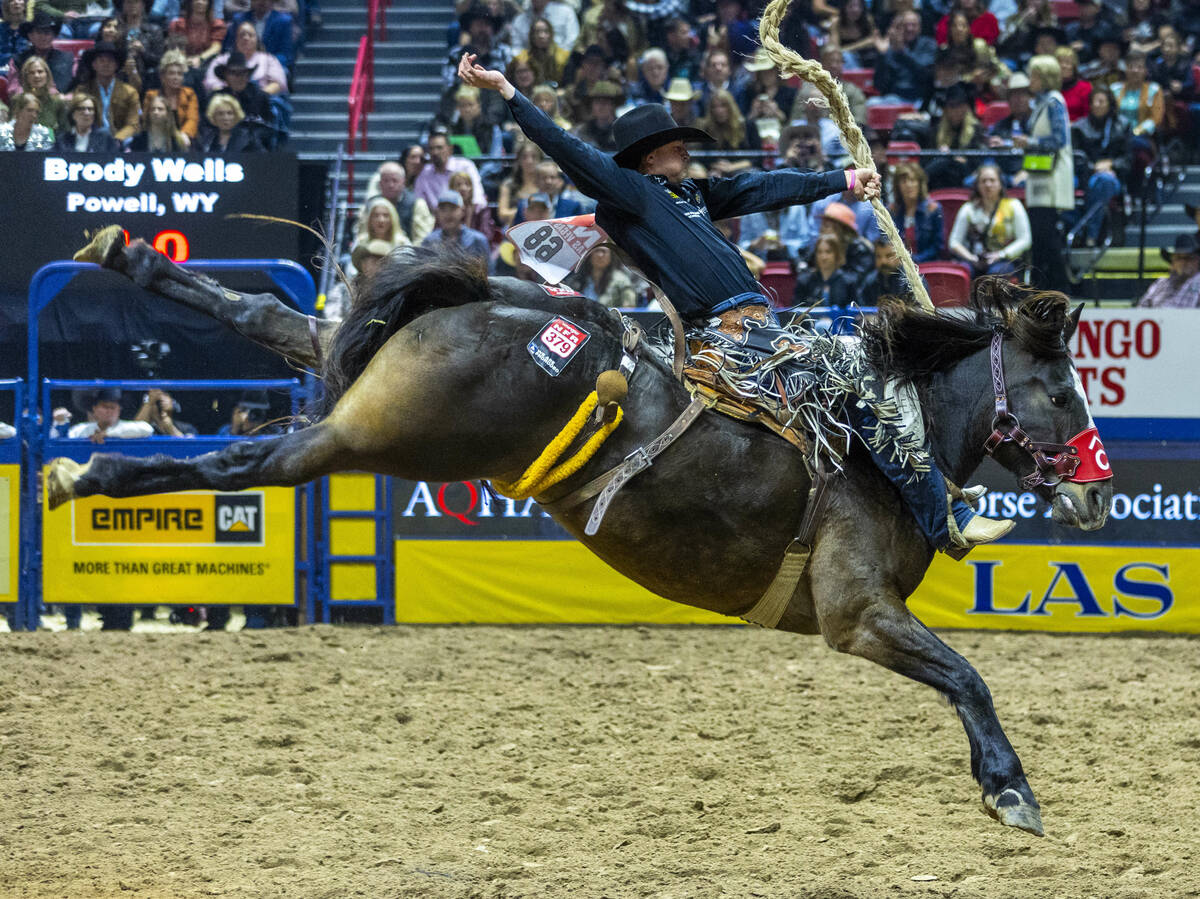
10,529
198,547
1093,589
1136,363
524,582
458,510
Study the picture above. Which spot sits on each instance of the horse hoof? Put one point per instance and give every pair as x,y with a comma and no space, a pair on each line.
1012,810
60,481
103,246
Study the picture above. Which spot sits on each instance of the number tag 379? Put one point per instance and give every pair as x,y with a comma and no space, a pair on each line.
556,344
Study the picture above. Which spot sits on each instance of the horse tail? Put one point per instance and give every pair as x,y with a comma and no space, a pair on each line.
410,282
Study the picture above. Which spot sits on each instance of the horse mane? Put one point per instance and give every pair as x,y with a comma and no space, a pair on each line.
409,282
912,344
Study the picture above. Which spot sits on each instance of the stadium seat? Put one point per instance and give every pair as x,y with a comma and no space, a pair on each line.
1017,193
994,112
864,78
1065,10
948,283
882,116
75,48
952,199
779,279
897,151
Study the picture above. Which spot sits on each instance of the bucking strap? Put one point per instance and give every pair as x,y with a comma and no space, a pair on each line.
769,610
672,315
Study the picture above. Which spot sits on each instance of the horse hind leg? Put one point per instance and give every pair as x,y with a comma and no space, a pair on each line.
879,627
283,461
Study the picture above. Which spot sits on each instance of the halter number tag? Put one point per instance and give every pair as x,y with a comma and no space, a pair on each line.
556,343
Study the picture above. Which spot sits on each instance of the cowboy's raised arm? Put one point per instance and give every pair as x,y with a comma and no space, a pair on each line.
592,171
763,191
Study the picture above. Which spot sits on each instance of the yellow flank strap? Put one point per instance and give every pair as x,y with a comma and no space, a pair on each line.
543,473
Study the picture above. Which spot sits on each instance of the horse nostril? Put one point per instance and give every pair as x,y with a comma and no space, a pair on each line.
1095,503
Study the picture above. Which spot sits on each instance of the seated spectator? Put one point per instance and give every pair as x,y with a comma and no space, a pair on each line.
365,258
545,98
415,218
41,32
905,70
35,79
1000,135
226,136
23,132
274,29
768,97
481,38
1019,36
450,231
413,160
683,58
826,282
520,75
563,203
991,233
734,30
1142,21
468,120
255,104
719,76
592,67
839,221
780,235
434,179
730,132
831,59
83,136
13,41
886,280
477,219
265,68
545,56
145,41
160,410
104,420
562,19
682,97
856,34
202,33
1082,34
1104,140
1141,107
811,108
249,416
521,183
1075,90
1181,288
652,68
112,32
117,104
378,220
161,134
607,16
597,128
974,57
602,278
957,130
180,99
980,22
802,148
919,219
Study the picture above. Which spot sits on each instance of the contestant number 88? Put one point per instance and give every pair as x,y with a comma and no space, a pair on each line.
543,243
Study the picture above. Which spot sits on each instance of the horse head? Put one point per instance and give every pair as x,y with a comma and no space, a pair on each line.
1042,428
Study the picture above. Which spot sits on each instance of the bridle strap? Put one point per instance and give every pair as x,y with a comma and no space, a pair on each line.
1053,462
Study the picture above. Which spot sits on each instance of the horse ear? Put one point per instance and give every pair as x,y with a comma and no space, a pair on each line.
1072,323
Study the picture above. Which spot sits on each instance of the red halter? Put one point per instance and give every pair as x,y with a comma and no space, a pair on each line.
1081,459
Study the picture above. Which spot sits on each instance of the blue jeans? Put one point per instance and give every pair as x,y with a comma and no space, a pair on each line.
924,496
1101,188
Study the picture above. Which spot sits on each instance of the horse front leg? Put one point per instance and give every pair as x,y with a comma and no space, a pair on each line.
260,317
860,608
271,462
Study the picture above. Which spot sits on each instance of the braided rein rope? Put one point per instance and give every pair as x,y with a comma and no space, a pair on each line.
792,63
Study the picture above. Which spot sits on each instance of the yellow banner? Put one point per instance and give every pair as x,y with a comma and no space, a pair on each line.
524,582
1046,588
198,547
1093,589
10,530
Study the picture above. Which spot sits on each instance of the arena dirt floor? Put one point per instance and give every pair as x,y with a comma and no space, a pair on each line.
581,762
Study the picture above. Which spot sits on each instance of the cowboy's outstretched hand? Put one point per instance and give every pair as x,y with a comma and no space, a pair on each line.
867,184
484,79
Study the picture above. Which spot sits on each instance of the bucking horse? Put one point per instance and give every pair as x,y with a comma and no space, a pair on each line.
434,376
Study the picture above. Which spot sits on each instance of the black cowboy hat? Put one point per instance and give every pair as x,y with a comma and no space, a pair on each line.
1185,244
646,128
477,11
41,20
85,398
1060,36
102,48
957,94
236,60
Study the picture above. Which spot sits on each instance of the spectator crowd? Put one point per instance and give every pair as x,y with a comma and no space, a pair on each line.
998,128
171,76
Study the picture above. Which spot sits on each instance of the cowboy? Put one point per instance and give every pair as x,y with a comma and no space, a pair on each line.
118,107
664,222
1181,288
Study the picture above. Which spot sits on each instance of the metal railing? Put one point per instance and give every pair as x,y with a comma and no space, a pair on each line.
361,100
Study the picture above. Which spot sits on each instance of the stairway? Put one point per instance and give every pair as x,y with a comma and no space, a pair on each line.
407,78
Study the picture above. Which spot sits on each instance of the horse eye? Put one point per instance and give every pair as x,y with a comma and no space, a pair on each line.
1060,402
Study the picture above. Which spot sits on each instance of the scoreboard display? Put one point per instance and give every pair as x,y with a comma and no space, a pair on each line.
181,204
